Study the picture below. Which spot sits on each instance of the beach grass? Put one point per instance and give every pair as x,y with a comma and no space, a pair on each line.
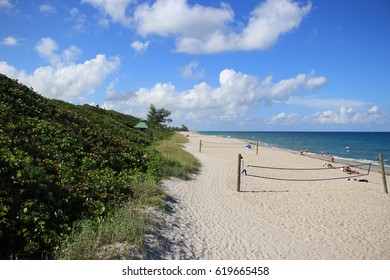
118,237
180,163
121,234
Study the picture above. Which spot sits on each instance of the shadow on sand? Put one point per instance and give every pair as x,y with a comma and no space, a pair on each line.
167,243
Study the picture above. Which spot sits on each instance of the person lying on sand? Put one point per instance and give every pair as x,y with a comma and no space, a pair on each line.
348,170
327,165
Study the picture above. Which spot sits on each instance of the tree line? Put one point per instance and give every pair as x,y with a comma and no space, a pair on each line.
158,118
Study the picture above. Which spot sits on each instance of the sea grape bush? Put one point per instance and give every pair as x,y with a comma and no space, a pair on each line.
60,163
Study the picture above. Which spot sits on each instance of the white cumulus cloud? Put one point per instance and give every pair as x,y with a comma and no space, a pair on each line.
9,41
67,82
347,115
287,88
117,9
266,24
47,48
177,17
205,29
343,115
236,94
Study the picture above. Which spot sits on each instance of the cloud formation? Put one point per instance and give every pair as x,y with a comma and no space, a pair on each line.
140,47
205,29
267,23
343,115
10,41
236,94
190,71
47,49
47,8
116,10
78,19
63,78
177,17
5,5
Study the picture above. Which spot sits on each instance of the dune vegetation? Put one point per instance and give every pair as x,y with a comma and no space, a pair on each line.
75,180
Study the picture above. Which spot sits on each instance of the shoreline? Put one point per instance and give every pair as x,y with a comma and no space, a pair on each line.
375,166
278,220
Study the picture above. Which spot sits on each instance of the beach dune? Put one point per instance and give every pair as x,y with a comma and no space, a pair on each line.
272,219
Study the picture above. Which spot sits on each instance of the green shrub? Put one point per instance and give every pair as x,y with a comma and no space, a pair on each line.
68,173
60,163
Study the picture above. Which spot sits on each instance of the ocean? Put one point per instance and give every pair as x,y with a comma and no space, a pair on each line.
361,147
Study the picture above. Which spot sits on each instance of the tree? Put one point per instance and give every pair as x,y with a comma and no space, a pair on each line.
183,128
158,117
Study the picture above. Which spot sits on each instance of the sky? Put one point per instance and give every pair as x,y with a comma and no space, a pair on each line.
253,65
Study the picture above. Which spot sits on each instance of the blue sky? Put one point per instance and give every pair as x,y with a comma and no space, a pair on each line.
231,65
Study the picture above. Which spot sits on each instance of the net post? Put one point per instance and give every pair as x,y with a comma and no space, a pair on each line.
257,148
383,173
239,173
200,146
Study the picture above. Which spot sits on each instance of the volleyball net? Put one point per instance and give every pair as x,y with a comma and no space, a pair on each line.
204,145
328,172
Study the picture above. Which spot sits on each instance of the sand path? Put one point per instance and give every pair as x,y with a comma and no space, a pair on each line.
272,219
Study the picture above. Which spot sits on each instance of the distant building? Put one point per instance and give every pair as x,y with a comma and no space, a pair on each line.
142,126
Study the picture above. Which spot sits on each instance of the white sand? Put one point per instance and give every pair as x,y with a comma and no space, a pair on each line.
270,219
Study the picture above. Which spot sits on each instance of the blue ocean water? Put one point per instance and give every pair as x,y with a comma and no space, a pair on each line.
345,146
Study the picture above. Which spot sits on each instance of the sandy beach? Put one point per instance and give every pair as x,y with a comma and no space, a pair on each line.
271,219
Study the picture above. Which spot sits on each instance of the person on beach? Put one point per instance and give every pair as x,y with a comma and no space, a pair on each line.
331,158
347,169
322,152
